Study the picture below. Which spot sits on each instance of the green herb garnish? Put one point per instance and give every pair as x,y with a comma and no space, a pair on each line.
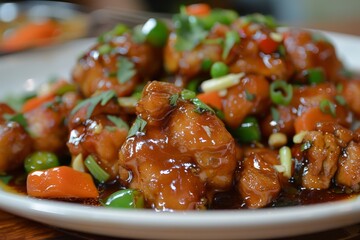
275,114
231,38
249,96
126,69
173,99
119,123
328,107
138,126
92,102
19,118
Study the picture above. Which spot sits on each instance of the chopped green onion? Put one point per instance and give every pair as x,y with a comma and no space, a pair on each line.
340,100
282,50
119,123
315,75
221,83
275,114
96,171
218,16
265,20
138,126
281,92
231,38
328,107
248,131
65,89
286,160
219,69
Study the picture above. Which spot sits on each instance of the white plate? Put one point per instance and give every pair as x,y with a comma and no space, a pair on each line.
25,71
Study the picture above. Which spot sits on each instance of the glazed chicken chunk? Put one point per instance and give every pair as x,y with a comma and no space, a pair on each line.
181,153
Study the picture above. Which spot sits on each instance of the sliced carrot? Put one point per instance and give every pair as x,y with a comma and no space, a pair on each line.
199,9
211,98
30,35
35,102
61,182
308,120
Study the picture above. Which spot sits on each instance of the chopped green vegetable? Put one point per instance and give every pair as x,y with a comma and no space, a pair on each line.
328,107
65,89
118,30
275,114
156,32
40,161
19,118
315,75
193,85
126,198
231,38
173,99
201,107
119,123
138,126
126,69
219,69
189,31
222,16
187,94
92,102
105,49
265,20
340,100
281,92
96,171
248,131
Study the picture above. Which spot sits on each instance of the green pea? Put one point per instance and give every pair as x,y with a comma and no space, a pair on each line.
219,69
156,32
126,198
40,161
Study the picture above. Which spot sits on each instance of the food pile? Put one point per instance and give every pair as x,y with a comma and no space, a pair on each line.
209,111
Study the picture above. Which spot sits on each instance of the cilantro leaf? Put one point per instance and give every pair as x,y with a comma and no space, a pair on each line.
201,107
173,99
138,126
126,69
119,123
92,102
231,38
190,32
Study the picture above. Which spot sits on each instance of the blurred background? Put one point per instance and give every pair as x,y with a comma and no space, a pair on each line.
88,18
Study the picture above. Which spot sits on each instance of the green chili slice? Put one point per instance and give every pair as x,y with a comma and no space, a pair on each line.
248,131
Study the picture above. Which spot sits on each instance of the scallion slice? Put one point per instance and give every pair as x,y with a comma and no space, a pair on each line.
96,171
281,92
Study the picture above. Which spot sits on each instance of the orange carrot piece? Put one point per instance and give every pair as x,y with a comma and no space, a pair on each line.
211,98
61,182
35,102
199,9
30,35
308,120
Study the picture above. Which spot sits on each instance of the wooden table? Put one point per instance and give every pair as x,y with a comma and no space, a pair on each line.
14,227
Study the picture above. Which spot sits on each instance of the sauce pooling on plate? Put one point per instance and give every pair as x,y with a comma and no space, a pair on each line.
209,111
